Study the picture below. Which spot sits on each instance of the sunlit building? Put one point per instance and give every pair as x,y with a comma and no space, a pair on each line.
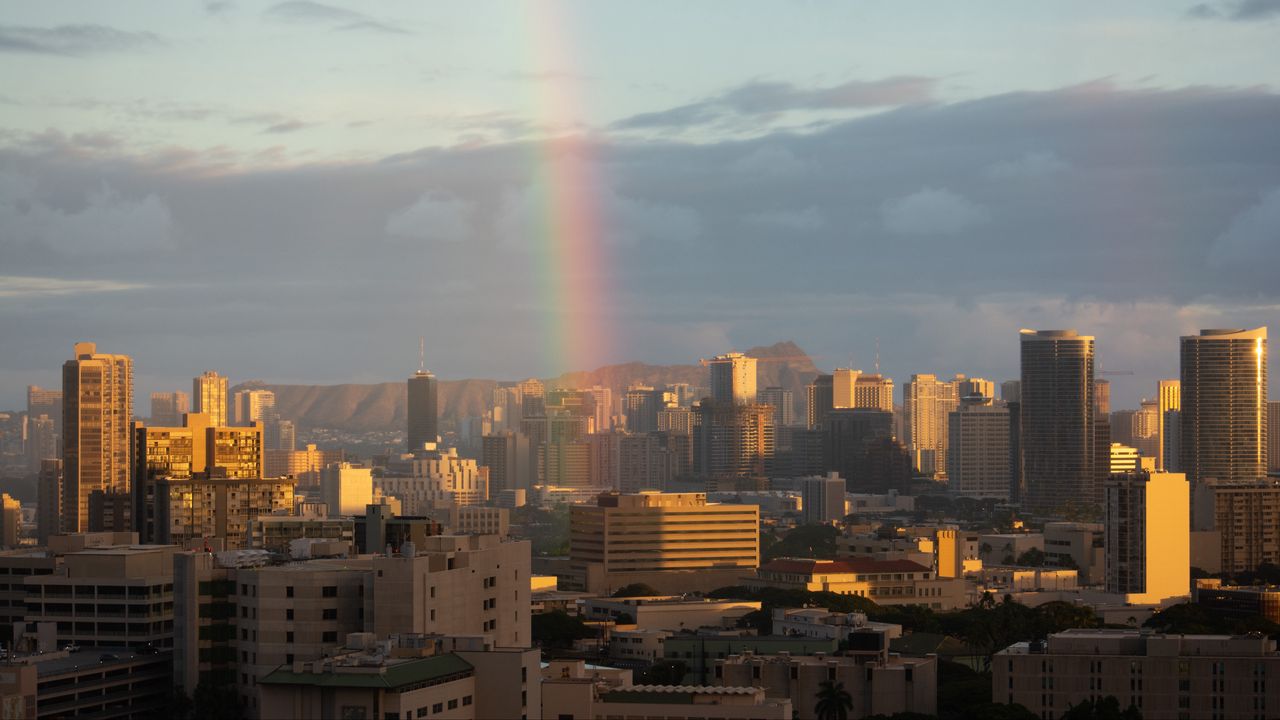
211,505
1169,405
209,396
97,409
253,405
978,452
1224,405
873,391
732,440
733,379
1148,536
927,404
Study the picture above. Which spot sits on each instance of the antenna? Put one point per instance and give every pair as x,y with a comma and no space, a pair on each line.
422,354
877,355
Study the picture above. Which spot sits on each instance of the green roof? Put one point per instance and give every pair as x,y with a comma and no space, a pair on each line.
396,675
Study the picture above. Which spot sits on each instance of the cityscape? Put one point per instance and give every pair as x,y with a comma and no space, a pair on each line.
589,361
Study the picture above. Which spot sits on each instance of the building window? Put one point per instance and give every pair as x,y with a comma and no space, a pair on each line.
453,704
288,614
466,700
288,659
288,591
288,637
329,591
329,636
437,708
330,614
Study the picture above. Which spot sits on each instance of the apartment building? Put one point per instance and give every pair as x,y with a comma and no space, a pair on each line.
208,505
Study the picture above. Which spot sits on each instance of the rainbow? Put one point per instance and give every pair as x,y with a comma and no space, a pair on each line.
570,252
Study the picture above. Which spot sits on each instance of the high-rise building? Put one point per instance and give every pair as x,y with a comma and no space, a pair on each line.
732,440
641,405
1101,398
822,498
873,391
97,395
820,399
1011,391
209,396
978,452
733,379
167,408
533,395
10,522
859,445
1273,436
1124,459
211,505
1148,536
927,404
347,489
1057,427
1224,405
254,405
44,425
423,411
279,435
1245,514
671,539
1169,405
49,500
603,398
844,382
975,390
783,402
510,461
181,452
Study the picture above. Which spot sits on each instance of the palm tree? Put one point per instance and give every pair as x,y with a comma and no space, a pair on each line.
834,703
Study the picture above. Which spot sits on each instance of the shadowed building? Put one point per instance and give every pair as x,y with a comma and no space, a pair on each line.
423,412
1057,426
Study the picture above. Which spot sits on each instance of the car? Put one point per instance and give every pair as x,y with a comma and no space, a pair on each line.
72,648
107,657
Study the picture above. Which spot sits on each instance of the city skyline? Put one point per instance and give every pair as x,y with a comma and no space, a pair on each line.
829,187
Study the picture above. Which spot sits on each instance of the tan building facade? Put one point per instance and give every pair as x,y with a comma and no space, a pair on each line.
97,395
1163,676
887,582
189,510
644,536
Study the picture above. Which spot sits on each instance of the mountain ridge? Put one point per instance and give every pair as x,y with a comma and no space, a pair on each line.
374,407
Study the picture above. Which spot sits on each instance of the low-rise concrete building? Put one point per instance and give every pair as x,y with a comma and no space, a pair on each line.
699,651
639,646
1238,600
877,682
667,612
115,683
822,623
1079,546
442,686
887,582
1004,579
1006,548
1163,676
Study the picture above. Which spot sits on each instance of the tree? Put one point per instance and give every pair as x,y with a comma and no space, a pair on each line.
1107,708
636,590
1031,557
834,702
559,629
806,541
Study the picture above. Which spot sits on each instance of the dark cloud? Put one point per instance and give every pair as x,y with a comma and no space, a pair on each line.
305,11
768,98
1241,10
939,228
73,40
287,126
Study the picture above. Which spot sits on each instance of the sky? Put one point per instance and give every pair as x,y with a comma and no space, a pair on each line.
298,191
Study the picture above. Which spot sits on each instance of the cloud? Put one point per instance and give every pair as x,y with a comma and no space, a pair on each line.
1029,165
104,223
305,11
806,220
931,211
1252,239
1239,10
73,40
435,217
218,7
286,126
29,287
701,240
758,99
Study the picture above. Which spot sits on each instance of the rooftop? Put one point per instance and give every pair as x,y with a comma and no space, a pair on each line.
805,566
389,673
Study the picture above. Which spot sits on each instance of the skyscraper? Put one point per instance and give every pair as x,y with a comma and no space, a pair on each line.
1101,398
783,402
423,413
927,404
209,393
1224,405
732,440
97,395
978,451
844,382
1057,428
1169,401
44,425
874,392
819,399
254,405
733,378
167,408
